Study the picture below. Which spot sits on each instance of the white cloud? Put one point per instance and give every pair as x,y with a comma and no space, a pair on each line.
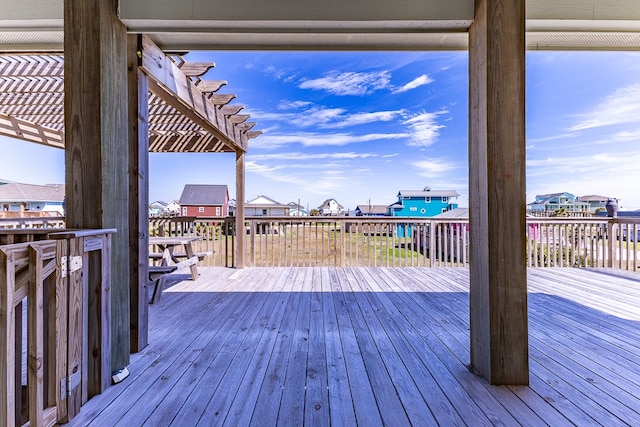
349,83
424,128
309,156
308,139
621,107
293,105
323,182
435,168
627,135
363,118
328,118
415,83
316,116
612,174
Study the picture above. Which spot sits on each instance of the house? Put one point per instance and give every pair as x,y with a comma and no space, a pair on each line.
547,204
265,206
297,210
172,209
331,207
156,209
204,200
425,203
371,210
18,199
597,203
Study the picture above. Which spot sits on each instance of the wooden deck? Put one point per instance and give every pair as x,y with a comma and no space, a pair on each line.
375,346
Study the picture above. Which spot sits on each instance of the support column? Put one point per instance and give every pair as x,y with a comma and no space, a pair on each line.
498,276
240,196
97,153
138,195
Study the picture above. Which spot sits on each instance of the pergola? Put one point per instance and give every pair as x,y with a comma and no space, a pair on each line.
101,43
185,113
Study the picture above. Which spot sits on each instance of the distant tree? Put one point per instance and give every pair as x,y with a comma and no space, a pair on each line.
562,212
314,212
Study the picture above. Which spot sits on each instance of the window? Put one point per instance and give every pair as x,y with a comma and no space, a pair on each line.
427,199
413,209
264,212
217,210
444,210
201,209
184,211
445,200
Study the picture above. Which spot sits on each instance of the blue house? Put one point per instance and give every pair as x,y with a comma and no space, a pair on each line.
422,204
546,204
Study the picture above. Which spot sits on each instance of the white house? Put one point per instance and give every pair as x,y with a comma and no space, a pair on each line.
331,207
265,206
17,199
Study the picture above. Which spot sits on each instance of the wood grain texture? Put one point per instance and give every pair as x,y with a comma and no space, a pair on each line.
314,346
138,109
96,124
499,344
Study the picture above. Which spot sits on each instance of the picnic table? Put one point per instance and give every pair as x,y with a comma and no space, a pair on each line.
169,256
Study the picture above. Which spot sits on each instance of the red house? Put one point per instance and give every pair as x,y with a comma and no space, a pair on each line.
204,200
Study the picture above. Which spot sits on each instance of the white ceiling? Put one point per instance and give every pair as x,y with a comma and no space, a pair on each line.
178,25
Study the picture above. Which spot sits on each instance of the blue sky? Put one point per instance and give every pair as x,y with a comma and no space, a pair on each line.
359,126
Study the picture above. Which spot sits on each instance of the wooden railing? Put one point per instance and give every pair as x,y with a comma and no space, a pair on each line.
385,241
47,222
48,366
583,242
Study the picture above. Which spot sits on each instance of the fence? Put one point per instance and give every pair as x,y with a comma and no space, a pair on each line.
48,366
398,242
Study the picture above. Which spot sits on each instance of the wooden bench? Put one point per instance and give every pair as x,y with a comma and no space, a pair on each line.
200,255
157,274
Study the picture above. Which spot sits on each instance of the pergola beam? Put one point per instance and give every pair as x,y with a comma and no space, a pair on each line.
28,131
167,81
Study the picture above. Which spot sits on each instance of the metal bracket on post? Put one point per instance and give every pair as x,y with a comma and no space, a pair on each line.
71,264
68,384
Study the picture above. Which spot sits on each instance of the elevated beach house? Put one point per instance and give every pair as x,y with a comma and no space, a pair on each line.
204,200
547,204
331,207
424,203
18,199
265,206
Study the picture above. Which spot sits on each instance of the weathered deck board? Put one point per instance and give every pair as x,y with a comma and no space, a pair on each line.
373,346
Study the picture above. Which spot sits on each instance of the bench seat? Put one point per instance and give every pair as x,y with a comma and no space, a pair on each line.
157,274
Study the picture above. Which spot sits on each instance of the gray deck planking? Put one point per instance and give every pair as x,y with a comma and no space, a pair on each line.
375,346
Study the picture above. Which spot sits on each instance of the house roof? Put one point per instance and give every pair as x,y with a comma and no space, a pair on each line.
326,203
204,195
454,213
264,201
594,198
374,209
428,193
18,192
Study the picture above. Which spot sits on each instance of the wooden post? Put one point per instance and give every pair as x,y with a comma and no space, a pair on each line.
139,195
96,140
498,306
240,232
8,344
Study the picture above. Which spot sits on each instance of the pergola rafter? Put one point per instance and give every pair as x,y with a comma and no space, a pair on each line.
185,112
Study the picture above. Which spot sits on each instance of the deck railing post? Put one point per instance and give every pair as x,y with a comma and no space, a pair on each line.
611,239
